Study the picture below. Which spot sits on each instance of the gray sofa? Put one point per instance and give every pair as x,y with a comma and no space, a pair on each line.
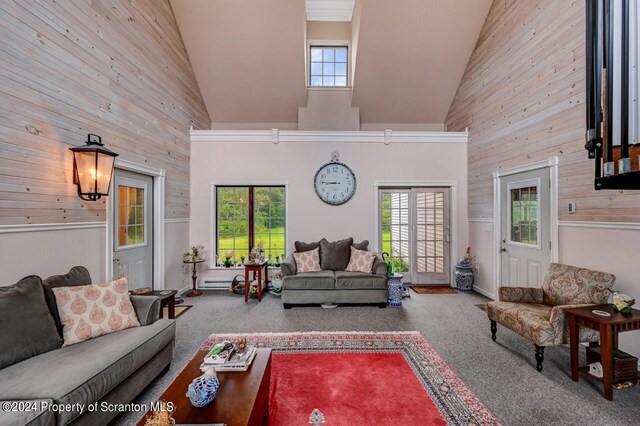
111,369
333,284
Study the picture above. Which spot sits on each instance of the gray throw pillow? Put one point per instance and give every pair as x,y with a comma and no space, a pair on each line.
78,275
335,255
302,246
364,245
27,328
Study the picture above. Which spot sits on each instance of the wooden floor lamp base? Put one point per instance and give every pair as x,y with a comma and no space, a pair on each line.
194,293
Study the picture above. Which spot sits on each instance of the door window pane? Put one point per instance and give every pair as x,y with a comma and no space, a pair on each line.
524,215
130,218
395,228
430,232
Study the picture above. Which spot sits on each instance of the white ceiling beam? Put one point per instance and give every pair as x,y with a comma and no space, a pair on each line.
330,10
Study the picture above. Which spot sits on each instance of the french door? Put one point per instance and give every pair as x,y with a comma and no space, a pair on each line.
415,232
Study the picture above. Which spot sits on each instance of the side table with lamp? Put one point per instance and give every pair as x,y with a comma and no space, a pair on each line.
194,291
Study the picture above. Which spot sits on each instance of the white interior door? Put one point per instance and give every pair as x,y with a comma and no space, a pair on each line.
525,234
133,228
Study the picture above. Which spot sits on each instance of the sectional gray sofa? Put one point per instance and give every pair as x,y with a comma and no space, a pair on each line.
333,284
111,369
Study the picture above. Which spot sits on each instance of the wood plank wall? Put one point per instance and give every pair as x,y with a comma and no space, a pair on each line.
116,68
522,98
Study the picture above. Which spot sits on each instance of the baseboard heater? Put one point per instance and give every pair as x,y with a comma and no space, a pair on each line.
214,285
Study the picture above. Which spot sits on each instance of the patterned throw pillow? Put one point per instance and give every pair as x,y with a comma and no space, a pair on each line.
361,261
88,311
308,261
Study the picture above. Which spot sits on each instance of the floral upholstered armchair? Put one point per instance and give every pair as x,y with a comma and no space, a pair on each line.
538,315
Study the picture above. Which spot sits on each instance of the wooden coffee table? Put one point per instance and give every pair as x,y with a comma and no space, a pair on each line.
243,397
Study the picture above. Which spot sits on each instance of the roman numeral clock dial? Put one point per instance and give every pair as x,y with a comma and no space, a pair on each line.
335,183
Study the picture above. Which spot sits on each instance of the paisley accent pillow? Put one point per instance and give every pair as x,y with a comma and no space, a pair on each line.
361,261
308,261
93,310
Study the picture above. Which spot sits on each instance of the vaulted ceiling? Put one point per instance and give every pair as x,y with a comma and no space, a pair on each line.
411,57
249,56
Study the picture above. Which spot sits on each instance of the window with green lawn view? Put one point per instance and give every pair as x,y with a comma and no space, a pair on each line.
247,216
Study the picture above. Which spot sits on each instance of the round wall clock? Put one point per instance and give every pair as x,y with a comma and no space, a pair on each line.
335,183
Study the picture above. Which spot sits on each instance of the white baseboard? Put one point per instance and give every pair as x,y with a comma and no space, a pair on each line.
484,293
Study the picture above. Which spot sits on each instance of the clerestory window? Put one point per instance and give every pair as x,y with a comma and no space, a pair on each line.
328,66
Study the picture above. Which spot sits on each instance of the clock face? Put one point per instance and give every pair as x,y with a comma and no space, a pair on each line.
335,183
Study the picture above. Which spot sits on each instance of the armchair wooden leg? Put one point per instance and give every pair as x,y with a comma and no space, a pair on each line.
539,357
494,328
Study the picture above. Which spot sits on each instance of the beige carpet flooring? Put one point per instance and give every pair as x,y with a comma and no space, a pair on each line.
502,374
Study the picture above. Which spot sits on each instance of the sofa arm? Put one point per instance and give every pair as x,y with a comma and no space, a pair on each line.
379,267
520,294
560,323
147,308
288,266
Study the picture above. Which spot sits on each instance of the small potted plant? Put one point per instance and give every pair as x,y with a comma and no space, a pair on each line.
197,252
242,260
186,256
228,262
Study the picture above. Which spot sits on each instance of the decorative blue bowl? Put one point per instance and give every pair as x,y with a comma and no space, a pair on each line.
203,390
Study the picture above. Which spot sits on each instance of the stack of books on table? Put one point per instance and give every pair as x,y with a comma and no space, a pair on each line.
223,359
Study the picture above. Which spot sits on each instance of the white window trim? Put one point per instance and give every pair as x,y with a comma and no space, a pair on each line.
326,43
213,211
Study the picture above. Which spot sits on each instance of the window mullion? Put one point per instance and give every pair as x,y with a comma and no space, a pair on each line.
251,220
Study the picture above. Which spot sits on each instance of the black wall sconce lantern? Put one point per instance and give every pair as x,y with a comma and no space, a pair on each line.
92,168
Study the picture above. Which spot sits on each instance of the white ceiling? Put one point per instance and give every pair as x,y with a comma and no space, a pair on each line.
330,10
249,57
411,57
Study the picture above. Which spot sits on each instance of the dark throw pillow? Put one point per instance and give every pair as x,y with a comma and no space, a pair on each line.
364,245
78,275
335,255
27,328
301,247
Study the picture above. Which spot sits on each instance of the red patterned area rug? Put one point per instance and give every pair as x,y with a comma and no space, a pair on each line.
356,378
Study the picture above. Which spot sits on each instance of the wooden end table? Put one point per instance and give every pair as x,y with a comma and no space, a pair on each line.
609,327
168,299
242,399
194,291
255,268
